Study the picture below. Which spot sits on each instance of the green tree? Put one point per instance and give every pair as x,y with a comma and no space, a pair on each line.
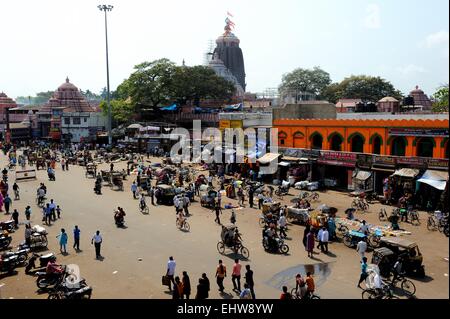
313,81
121,111
199,82
440,103
151,84
367,88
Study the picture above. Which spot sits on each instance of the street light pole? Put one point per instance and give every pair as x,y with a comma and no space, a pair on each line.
107,8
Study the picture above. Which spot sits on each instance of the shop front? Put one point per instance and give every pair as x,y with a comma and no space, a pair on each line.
337,169
403,183
429,188
382,168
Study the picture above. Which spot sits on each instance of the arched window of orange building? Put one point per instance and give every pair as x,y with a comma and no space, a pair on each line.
316,141
398,146
336,142
356,141
298,139
424,147
281,138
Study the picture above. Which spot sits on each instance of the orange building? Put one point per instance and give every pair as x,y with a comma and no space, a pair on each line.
398,137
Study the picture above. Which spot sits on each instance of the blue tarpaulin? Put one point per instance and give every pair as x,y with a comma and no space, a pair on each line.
172,107
234,107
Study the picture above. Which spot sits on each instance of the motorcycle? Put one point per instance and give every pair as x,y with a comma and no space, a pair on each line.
22,255
63,291
280,245
51,176
5,241
46,281
120,221
8,265
8,225
43,261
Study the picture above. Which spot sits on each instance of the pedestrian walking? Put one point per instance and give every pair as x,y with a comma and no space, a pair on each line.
202,293
97,242
250,197
8,203
62,241
76,238
171,265
236,275
28,212
63,164
221,273
186,285
48,214
67,165
58,211
218,211
260,200
324,238
282,222
134,189
219,199
52,207
361,247
310,243
28,233
151,193
249,280
305,234
364,274
177,289
15,217
233,217
111,167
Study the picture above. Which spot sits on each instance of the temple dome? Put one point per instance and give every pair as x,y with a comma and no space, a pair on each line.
67,86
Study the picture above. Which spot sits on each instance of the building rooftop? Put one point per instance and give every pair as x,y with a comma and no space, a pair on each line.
389,116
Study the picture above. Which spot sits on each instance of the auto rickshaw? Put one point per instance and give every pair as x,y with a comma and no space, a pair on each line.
208,199
117,180
385,259
164,194
91,170
409,250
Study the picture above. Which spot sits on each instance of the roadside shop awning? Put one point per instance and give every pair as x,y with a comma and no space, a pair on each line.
363,175
268,158
285,164
406,172
436,179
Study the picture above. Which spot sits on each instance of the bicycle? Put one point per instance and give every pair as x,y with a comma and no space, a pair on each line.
406,285
40,201
308,295
432,222
184,226
413,216
144,209
382,215
386,292
360,204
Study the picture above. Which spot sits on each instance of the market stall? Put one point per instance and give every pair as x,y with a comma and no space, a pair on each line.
429,188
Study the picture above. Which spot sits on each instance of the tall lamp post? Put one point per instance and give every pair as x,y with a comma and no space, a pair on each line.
107,8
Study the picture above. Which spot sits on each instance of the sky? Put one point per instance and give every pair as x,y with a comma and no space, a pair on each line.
42,42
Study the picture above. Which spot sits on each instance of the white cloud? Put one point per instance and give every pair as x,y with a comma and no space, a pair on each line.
373,17
437,39
411,69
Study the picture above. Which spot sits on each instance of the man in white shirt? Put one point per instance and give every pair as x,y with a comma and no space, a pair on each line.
97,241
361,247
323,239
282,224
364,228
52,207
171,264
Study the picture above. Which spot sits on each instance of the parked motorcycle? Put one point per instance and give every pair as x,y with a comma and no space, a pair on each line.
8,265
22,255
8,225
65,291
281,246
5,240
46,281
43,261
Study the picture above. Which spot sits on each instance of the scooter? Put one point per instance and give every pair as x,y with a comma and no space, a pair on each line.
43,261
280,245
120,222
46,281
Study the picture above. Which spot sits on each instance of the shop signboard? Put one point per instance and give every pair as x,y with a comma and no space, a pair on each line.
438,163
412,161
384,161
364,161
418,132
337,158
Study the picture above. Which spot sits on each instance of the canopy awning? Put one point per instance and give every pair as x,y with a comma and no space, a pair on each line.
436,179
268,157
406,172
363,175
285,164
135,126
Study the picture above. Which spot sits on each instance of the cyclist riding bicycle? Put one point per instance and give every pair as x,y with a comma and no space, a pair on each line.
180,219
142,203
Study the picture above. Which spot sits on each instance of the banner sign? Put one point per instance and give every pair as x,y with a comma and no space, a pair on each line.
418,132
337,158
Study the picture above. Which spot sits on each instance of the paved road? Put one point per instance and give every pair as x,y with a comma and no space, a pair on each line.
135,257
